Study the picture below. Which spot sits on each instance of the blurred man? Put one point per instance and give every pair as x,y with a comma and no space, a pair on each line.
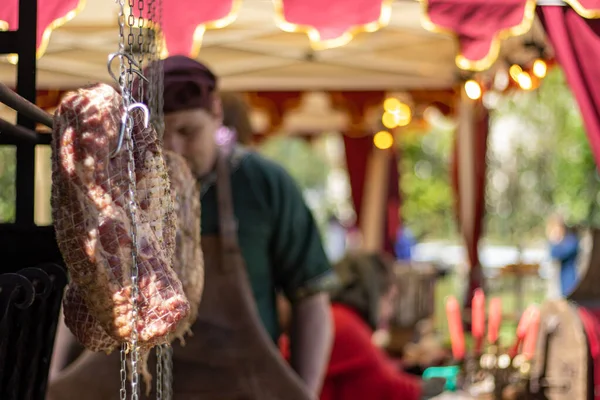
278,237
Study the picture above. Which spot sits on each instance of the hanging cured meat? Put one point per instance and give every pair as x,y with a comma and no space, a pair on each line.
93,227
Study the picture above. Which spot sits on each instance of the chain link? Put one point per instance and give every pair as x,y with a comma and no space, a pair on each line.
168,371
167,378
135,351
122,72
159,372
149,40
123,391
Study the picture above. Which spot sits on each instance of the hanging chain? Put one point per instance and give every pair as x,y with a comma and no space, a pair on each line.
126,80
167,351
168,371
121,20
152,19
159,372
160,84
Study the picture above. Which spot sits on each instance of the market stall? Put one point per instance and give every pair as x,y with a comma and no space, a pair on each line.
291,66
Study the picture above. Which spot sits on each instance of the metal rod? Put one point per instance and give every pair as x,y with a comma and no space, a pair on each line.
560,3
26,88
19,104
17,131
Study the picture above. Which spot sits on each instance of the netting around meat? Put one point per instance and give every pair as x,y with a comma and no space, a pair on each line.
188,260
93,225
83,325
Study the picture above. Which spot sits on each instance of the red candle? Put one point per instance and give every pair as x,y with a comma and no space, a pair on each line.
522,329
478,318
524,322
494,319
531,336
455,327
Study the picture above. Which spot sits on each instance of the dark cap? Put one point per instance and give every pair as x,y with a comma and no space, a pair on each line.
188,84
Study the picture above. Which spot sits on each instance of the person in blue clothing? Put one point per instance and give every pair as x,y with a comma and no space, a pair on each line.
405,241
564,248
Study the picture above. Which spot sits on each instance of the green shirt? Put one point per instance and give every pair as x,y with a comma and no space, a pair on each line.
277,234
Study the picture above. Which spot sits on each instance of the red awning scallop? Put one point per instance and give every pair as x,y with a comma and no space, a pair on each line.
184,23
479,26
332,23
589,9
51,15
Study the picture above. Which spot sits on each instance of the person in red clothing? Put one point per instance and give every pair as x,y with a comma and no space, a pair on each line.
359,370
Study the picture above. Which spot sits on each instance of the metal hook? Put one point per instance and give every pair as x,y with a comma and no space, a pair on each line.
138,71
125,122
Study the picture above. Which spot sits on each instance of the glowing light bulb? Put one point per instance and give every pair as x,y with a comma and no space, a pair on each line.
524,81
383,140
514,71
390,119
404,110
540,68
391,104
404,119
472,89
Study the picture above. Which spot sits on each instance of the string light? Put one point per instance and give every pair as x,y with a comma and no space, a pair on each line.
383,140
524,81
472,89
391,104
389,120
539,68
514,71
396,114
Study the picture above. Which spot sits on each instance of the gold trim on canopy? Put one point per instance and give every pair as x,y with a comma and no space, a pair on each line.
45,38
490,58
588,13
201,29
315,37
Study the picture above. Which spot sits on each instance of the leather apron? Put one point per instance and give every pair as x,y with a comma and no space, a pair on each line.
230,355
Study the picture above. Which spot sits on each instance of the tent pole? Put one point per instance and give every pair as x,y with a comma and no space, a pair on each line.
551,3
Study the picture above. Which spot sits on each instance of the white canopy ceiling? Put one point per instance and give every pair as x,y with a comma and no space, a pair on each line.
253,54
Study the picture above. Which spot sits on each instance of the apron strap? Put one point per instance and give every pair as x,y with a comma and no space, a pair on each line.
228,227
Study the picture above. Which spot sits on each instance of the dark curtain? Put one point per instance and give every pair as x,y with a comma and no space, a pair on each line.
472,167
576,42
358,150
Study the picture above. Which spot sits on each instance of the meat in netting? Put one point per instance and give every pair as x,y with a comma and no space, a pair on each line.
93,226
187,263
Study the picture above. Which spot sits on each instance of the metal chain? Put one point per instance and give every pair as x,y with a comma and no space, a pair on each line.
152,19
159,372
168,371
121,21
167,376
140,44
151,73
126,80
160,84
123,391
134,349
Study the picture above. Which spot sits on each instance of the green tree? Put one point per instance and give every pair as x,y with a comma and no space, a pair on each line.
548,167
299,159
427,198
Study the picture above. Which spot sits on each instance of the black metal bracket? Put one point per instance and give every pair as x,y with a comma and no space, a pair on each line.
23,43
